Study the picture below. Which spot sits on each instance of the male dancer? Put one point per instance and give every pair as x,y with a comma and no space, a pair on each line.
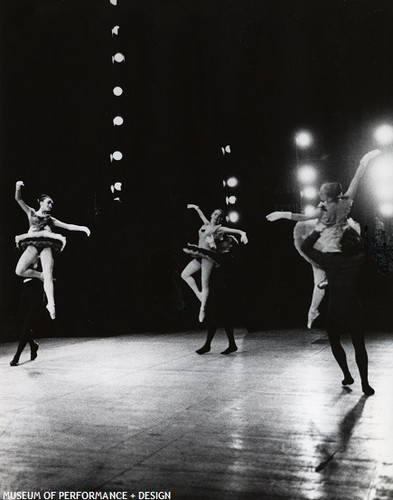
32,304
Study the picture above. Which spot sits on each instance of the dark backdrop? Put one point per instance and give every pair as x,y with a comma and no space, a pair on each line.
198,75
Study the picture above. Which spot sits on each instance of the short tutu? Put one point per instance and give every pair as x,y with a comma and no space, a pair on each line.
40,240
202,253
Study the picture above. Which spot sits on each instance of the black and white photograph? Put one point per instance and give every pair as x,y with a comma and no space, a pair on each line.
196,249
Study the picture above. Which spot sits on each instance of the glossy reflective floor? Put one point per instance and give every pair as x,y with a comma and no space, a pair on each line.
144,412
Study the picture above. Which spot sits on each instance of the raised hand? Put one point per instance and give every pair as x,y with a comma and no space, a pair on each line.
19,184
191,205
244,238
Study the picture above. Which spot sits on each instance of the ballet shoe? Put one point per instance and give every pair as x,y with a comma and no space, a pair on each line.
51,310
34,351
203,350
347,380
368,390
230,349
201,314
323,284
14,362
312,316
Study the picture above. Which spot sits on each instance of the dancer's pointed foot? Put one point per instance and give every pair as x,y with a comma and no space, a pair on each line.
34,350
347,380
312,316
230,349
204,349
14,362
367,389
201,314
51,310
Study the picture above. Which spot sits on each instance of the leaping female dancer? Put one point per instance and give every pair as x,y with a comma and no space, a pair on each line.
213,240
40,242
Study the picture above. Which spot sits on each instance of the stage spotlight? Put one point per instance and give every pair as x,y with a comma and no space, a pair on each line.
116,155
303,139
384,135
309,192
115,30
117,91
382,168
384,191
233,216
118,57
386,209
230,200
232,182
309,209
117,121
307,174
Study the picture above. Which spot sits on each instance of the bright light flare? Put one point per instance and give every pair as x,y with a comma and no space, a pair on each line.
233,217
231,200
118,57
232,182
118,91
118,121
384,135
309,209
382,168
309,192
303,139
116,155
384,192
307,174
386,209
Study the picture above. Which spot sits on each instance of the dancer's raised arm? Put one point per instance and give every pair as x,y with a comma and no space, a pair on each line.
18,197
273,216
200,213
71,227
364,162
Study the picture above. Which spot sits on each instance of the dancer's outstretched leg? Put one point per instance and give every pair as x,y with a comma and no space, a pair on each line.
25,263
191,268
47,273
317,295
340,356
206,268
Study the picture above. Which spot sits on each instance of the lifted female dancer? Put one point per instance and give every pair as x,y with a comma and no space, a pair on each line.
213,240
334,208
40,242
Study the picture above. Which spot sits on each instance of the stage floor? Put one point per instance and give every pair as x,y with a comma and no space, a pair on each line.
144,413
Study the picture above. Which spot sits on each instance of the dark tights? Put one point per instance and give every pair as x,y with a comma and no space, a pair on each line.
210,334
360,354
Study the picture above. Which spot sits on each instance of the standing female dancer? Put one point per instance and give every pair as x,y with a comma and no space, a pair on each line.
213,240
40,241
344,310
